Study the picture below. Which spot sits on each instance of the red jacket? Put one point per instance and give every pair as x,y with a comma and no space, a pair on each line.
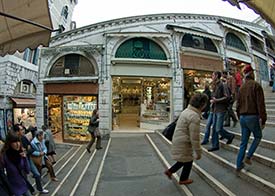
238,78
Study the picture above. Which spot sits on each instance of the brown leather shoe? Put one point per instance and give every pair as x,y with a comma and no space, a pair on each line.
188,181
55,179
168,174
248,161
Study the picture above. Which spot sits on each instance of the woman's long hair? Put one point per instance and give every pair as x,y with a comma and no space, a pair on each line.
13,155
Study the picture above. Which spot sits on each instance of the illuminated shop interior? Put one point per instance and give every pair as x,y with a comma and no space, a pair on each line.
137,101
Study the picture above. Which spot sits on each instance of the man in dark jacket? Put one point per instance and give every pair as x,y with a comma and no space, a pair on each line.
93,130
252,114
219,100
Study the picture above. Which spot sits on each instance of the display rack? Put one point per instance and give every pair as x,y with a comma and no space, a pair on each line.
77,113
54,113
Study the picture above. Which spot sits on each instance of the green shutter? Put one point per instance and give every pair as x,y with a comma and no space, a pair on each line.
235,42
141,48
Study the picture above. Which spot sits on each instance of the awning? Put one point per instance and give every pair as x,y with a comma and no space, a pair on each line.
266,8
255,34
24,103
24,24
194,32
232,27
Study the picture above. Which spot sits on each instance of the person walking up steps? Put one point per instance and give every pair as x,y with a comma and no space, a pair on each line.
219,100
252,114
50,143
186,138
93,130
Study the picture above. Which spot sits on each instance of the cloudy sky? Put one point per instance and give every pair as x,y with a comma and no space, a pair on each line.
89,11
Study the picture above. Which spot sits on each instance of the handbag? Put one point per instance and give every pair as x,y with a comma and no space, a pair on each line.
37,160
168,132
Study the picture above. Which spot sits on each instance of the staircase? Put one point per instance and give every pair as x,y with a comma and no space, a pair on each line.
270,107
133,164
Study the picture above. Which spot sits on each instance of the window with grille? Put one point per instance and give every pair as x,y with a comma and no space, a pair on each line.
141,48
198,42
72,65
235,42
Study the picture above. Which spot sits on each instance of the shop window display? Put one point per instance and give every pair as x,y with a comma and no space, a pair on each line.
156,100
195,80
25,116
77,112
147,99
54,113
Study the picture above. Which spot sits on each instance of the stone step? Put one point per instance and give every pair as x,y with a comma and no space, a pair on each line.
202,177
232,182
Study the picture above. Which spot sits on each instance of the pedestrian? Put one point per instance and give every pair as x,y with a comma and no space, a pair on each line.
94,131
239,81
5,187
207,91
230,83
186,138
219,100
40,153
26,144
207,130
273,77
14,160
50,143
252,114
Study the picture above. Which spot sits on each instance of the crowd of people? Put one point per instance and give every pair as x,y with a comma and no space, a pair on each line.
24,152
225,90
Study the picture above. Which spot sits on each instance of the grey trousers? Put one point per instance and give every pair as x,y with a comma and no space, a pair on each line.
91,142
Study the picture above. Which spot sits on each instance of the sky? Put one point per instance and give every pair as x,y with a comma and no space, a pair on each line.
89,12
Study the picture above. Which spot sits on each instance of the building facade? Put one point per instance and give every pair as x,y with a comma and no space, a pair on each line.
137,70
19,75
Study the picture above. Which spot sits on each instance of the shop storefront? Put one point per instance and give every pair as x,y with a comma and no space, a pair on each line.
195,80
140,102
23,112
198,71
68,109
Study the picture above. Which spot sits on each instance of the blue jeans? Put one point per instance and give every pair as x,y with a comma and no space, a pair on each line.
36,175
218,120
249,123
208,127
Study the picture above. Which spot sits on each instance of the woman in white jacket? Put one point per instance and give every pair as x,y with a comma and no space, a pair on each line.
186,139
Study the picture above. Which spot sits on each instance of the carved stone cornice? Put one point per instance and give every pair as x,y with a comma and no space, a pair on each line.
134,20
88,49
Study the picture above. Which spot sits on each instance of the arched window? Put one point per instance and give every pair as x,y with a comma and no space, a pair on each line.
234,41
25,87
198,42
141,48
72,65
65,12
257,44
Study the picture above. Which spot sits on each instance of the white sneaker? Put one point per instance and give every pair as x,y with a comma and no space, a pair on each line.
44,191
